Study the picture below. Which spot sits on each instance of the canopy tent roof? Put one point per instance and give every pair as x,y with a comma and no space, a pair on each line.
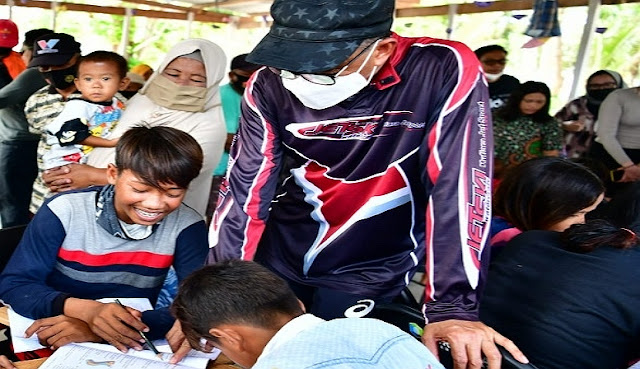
255,13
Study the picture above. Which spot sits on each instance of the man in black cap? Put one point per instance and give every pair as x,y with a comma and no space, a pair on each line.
18,167
56,56
359,154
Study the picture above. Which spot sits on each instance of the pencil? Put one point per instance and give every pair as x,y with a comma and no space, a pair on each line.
149,343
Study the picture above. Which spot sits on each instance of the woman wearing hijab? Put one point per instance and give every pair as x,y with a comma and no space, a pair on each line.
183,94
579,115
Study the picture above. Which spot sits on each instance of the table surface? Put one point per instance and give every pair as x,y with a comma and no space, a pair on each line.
222,362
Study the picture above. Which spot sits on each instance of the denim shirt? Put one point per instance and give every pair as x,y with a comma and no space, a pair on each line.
354,343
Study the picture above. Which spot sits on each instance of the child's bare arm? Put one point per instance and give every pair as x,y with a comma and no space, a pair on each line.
99,142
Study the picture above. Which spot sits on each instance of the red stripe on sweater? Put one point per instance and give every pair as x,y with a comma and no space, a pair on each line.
141,258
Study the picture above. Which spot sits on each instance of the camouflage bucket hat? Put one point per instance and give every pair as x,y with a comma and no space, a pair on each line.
314,36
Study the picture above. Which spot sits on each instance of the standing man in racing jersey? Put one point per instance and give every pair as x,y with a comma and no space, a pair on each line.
360,153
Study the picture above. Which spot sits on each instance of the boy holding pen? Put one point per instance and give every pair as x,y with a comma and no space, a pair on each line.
113,241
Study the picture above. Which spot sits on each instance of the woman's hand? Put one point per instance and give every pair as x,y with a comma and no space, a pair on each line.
631,174
74,176
573,125
57,331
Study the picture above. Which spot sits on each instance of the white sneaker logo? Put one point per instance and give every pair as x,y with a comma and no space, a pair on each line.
361,309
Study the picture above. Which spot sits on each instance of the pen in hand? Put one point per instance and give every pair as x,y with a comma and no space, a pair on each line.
146,340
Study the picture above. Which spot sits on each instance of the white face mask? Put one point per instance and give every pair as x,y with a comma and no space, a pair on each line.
491,77
319,97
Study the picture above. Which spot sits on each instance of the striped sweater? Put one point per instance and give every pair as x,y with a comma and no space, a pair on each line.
72,250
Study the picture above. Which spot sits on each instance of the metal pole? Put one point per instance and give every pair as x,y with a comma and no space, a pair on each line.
585,44
123,49
54,15
190,17
453,10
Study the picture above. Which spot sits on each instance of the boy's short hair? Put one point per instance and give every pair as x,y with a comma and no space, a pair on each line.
107,56
232,292
489,48
159,155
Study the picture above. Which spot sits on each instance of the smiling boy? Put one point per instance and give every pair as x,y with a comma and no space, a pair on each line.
85,123
112,241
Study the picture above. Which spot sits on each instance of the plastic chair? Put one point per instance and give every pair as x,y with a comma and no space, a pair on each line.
403,314
9,239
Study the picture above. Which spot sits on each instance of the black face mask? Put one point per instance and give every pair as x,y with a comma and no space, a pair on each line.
599,95
61,78
237,83
128,94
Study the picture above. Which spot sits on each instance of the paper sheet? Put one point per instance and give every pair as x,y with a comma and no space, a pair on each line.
82,356
193,360
19,325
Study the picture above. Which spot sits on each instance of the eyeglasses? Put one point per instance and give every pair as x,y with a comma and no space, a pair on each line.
492,62
601,86
319,79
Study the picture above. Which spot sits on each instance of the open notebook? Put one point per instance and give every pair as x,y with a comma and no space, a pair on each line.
19,324
86,355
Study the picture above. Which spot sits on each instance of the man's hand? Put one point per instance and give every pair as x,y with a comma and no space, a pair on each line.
5,363
73,176
59,330
468,341
178,343
116,324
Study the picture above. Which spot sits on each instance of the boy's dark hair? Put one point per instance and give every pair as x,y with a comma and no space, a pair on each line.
544,191
107,56
489,48
159,155
31,36
232,292
511,110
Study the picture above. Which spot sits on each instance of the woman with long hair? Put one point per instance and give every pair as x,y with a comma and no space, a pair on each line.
570,299
523,128
544,194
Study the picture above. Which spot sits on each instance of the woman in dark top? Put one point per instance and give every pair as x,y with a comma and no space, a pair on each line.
571,299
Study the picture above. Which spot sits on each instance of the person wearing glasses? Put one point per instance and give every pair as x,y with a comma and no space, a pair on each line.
579,115
493,59
359,154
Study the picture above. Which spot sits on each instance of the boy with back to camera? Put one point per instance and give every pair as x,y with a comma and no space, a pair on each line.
85,123
256,320
113,241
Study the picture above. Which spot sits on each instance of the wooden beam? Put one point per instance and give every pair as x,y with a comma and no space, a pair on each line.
224,3
185,9
210,17
496,6
158,5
